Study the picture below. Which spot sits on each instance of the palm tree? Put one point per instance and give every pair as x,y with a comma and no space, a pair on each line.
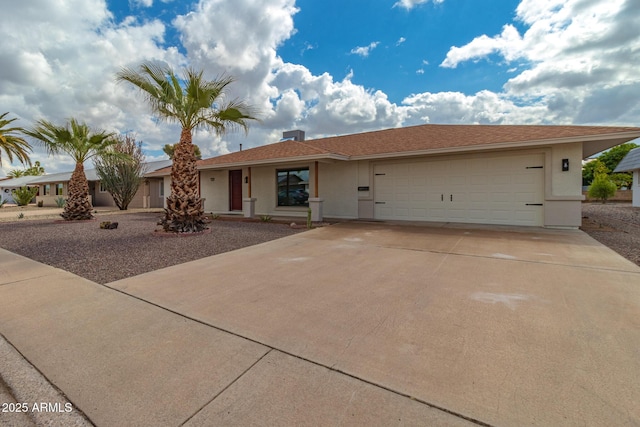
81,143
11,143
194,103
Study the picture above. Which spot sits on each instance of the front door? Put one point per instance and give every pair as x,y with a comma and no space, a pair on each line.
235,190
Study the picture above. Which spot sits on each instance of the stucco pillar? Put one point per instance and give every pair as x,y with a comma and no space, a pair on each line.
315,204
249,207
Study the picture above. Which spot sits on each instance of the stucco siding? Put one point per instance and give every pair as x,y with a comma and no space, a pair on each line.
339,189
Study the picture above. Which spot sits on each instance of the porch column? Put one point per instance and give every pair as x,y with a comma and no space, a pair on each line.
315,202
249,203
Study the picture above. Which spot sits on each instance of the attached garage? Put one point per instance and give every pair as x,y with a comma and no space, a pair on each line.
490,190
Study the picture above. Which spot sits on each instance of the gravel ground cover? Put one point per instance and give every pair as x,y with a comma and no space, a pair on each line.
104,256
614,225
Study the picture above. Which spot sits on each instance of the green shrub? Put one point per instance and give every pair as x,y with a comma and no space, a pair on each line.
60,201
40,203
24,195
266,218
602,188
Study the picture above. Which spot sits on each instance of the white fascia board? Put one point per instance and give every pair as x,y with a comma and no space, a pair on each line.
264,162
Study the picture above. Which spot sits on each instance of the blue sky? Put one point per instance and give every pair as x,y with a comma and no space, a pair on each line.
410,44
330,67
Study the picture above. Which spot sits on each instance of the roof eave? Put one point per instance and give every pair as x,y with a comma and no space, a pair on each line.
280,160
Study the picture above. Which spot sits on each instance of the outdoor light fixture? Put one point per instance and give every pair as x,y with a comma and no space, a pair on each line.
246,179
565,165
213,178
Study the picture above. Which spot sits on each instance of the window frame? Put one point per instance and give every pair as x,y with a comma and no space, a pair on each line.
285,201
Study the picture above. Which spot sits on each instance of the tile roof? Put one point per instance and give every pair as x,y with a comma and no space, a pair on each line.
630,162
418,139
280,150
439,137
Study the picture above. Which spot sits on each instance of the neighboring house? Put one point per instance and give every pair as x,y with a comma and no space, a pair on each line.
511,175
7,185
149,195
631,163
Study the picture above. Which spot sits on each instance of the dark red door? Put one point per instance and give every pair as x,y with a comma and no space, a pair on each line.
235,190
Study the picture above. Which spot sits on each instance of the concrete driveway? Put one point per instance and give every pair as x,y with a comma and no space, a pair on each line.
353,324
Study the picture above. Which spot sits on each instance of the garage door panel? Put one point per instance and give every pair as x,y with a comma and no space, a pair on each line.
482,190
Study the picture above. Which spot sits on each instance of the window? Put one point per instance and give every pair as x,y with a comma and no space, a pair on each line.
46,190
293,187
161,188
103,189
59,187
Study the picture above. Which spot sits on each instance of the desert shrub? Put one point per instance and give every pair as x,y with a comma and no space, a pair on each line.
60,201
24,195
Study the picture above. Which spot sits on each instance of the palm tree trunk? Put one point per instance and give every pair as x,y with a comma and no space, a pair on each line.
78,205
184,212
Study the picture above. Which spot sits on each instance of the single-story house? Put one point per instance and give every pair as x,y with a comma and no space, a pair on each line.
52,186
631,163
7,185
512,175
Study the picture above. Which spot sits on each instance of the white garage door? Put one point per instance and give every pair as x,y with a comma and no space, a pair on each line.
498,190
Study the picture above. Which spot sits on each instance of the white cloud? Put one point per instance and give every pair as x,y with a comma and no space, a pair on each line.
508,44
143,3
569,51
484,107
574,62
364,51
400,41
410,4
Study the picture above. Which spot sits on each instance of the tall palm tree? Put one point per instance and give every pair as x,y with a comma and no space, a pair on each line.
11,143
194,103
81,143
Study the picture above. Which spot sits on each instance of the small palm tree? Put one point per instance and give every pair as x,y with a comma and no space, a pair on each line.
11,143
194,103
81,143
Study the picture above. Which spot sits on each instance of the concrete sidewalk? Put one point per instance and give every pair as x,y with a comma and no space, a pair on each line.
123,361
353,324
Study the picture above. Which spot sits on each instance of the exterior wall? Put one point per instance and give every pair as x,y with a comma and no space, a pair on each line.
50,199
214,188
365,197
101,198
337,189
155,198
563,189
138,200
6,195
636,188
338,185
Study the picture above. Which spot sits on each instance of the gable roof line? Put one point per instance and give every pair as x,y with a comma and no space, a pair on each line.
630,162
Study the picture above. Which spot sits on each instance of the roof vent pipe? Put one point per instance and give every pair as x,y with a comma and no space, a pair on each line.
240,147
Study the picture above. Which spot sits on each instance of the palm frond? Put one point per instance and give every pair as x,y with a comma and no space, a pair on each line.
190,99
11,143
75,139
